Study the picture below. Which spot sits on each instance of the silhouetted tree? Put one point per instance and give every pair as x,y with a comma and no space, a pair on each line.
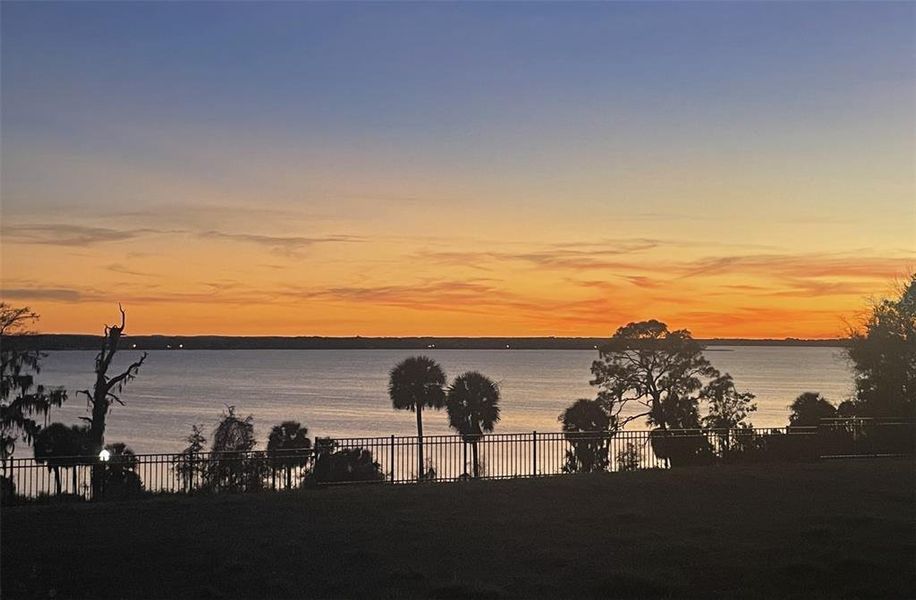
728,411
233,434
105,392
189,465
288,447
21,400
121,479
728,408
884,358
415,383
334,465
473,408
60,446
231,465
7,489
664,373
628,459
808,410
587,426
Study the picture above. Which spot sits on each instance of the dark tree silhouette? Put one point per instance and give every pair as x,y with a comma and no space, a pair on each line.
105,392
628,458
665,374
884,358
334,465
61,446
189,465
473,408
808,410
121,479
231,466
21,400
288,447
581,421
415,383
660,370
233,434
728,408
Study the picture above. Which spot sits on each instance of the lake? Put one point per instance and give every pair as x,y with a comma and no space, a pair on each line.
343,393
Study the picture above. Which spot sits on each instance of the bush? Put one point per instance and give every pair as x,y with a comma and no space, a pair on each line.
7,489
346,465
682,448
628,458
120,479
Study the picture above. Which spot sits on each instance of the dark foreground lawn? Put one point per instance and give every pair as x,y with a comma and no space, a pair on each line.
826,530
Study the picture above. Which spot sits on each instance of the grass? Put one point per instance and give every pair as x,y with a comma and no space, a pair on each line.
819,530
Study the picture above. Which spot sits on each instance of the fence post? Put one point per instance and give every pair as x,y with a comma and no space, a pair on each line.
392,458
534,453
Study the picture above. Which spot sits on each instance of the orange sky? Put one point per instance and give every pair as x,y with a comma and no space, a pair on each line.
192,282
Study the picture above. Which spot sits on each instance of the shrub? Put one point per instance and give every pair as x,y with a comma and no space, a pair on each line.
344,465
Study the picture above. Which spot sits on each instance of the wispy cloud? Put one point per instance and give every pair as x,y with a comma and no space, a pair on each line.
124,270
72,235
800,265
476,296
563,255
43,293
287,245
60,234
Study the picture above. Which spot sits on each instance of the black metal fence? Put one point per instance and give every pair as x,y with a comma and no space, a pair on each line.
394,459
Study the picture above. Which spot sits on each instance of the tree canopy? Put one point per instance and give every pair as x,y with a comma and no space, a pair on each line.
883,354
663,374
233,433
583,423
473,404
808,410
727,407
415,383
21,400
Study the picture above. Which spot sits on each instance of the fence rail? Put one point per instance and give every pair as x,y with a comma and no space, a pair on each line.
394,459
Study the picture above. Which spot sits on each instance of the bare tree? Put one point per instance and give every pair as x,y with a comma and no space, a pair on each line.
106,390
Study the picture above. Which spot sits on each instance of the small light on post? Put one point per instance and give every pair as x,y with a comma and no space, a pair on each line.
104,455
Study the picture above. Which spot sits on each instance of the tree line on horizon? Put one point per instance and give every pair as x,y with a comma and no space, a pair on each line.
644,371
79,341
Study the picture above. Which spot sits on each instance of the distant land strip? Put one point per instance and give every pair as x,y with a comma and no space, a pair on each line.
220,342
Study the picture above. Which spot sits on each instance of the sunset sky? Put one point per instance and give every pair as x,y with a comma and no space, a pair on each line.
457,169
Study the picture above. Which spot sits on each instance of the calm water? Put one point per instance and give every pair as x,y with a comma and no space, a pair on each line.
344,392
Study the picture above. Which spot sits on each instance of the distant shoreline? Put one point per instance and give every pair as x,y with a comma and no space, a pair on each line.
217,342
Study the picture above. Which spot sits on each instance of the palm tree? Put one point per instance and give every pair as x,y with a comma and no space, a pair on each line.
120,472
416,382
473,407
584,424
58,445
288,445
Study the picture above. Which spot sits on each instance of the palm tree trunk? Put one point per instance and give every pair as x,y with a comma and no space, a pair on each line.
476,461
420,441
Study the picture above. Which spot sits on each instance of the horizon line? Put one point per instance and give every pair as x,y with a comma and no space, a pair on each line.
413,336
